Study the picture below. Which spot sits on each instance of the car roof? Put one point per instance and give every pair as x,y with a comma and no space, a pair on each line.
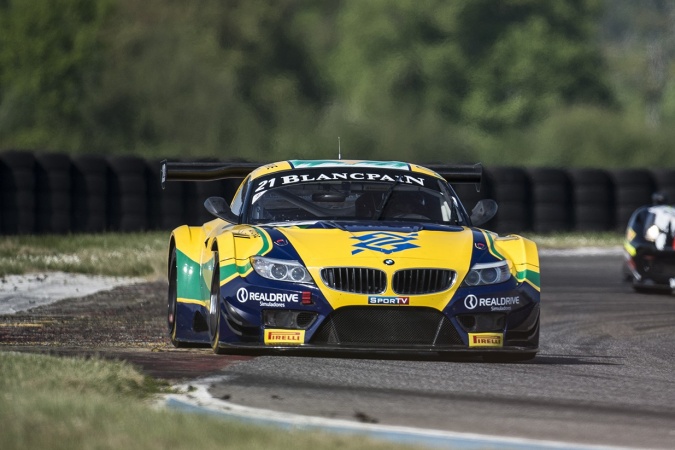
293,164
662,209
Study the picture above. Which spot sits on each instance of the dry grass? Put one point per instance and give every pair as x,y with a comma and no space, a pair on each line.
66,403
114,254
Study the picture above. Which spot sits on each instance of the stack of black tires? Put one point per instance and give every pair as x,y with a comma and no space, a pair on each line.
42,192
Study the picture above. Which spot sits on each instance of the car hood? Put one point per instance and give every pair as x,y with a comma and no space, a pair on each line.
389,248
370,246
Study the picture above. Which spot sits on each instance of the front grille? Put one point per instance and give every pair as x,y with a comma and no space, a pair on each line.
422,281
384,326
358,280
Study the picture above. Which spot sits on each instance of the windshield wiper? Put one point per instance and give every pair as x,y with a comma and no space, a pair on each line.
385,200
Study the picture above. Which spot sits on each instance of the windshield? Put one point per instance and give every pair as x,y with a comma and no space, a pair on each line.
419,199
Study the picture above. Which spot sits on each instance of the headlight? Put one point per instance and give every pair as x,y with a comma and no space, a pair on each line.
652,233
280,269
490,273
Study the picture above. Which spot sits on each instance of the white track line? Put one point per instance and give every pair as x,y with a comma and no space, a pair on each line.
22,292
195,398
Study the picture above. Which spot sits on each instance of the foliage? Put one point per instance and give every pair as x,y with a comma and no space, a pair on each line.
50,59
424,80
495,66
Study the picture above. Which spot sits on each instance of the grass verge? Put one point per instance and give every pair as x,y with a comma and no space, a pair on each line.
113,254
576,240
73,403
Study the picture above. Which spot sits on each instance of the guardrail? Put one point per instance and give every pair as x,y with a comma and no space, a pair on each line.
58,193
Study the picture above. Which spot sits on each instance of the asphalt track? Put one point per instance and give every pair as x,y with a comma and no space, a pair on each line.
604,375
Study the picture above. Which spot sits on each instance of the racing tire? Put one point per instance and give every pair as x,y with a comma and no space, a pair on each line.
165,205
17,192
52,193
641,289
651,290
127,194
214,308
633,188
551,200
173,301
511,190
90,191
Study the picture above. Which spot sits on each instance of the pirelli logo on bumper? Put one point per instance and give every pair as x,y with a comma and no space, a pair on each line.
284,337
486,339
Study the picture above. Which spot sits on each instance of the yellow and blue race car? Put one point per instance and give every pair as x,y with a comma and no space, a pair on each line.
350,256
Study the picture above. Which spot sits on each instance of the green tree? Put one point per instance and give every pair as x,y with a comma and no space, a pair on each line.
476,62
50,56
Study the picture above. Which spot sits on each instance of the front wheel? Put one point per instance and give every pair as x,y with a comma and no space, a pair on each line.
214,307
172,303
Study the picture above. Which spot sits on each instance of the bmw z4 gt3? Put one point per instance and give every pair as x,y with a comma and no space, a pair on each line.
350,256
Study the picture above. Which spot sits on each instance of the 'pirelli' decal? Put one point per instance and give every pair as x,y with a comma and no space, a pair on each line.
284,337
486,339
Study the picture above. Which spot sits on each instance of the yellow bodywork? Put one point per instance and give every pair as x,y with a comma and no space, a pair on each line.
321,248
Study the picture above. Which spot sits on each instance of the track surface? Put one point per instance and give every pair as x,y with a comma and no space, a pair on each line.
605,373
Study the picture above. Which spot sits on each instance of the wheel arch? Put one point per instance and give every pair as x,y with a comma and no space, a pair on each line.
524,255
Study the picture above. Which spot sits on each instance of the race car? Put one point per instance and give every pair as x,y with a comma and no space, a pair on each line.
350,256
649,248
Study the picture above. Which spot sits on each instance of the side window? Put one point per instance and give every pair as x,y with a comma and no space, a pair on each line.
240,195
453,210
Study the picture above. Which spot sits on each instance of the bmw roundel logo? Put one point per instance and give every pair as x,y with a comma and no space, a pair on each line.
470,301
389,262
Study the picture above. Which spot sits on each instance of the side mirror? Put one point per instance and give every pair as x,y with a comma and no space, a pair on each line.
484,210
219,208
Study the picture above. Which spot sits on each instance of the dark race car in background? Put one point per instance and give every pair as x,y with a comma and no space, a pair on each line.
649,249
350,256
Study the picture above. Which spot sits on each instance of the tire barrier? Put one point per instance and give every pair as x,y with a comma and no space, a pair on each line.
551,200
592,200
196,193
89,194
665,183
632,188
511,190
52,193
194,196
164,206
17,187
57,193
127,194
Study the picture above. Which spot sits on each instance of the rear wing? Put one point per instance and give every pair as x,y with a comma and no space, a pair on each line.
204,171
211,171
